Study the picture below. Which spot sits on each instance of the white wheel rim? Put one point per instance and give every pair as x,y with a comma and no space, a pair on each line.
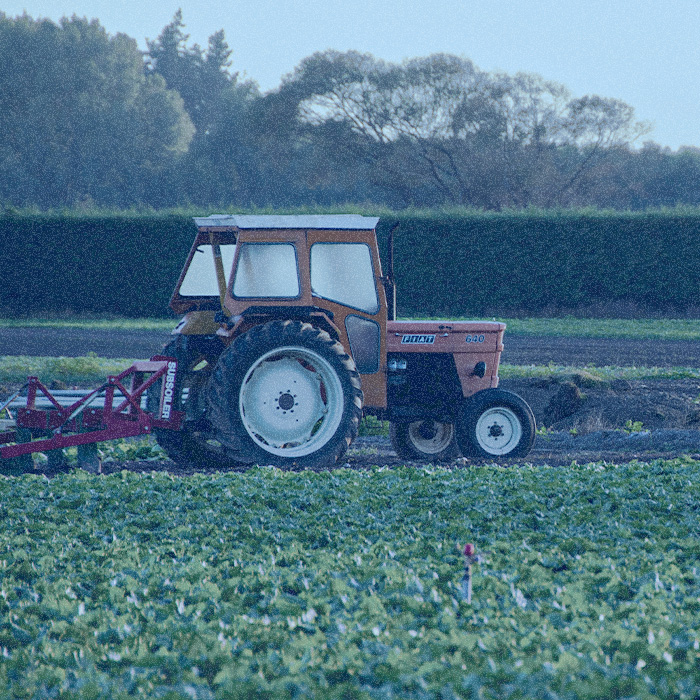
498,430
430,437
291,401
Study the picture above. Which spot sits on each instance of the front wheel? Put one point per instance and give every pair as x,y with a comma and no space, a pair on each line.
495,423
285,393
424,440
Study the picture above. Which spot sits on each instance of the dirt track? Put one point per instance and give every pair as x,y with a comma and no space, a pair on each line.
519,350
74,342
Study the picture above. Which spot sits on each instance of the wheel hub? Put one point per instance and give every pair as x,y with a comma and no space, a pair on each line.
496,431
427,430
430,437
286,401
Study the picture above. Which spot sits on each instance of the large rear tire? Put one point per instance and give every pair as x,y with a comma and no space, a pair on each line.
495,423
285,393
424,440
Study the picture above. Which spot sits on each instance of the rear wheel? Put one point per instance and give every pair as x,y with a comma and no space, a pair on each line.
422,440
285,393
495,423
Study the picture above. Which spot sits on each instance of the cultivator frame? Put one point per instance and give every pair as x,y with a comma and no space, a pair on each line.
122,414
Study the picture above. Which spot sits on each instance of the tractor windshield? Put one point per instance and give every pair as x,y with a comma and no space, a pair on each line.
200,278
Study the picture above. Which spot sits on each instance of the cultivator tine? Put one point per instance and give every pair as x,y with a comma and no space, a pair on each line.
63,423
80,406
13,397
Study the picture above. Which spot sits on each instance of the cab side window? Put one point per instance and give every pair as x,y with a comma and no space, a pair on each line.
266,270
343,272
200,278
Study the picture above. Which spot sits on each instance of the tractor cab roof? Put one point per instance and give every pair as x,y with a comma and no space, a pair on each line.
326,222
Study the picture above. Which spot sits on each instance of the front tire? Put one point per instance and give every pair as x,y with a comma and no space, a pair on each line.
495,423
424,440
285,393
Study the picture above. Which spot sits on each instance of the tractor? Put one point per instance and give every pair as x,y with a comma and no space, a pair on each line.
289,337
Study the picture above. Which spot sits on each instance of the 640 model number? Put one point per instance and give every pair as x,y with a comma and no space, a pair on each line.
475,338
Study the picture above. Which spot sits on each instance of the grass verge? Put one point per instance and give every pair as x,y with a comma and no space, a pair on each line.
347,584
14,369
642,329
633,329
639,329
126,324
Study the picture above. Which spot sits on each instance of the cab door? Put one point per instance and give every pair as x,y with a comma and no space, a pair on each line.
345,273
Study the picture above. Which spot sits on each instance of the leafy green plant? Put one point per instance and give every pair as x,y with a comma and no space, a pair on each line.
371,425
144,449
635,426
347,583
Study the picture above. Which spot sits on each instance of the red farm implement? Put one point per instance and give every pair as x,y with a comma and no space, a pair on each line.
132,403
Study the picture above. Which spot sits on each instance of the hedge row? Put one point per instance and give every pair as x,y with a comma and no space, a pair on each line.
530,262
120,264
454,264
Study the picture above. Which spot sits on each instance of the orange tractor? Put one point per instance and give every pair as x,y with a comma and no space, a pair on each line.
286,341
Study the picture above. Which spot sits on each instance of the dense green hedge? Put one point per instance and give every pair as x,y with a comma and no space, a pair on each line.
456,263
531,262
117,264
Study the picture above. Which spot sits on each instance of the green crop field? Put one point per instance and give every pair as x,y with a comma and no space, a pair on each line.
346,584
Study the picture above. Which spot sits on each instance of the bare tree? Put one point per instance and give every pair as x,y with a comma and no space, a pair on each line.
483,139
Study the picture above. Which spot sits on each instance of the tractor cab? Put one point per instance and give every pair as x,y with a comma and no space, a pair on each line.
245,269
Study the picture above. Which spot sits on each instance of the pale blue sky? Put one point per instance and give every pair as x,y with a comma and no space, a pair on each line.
645,52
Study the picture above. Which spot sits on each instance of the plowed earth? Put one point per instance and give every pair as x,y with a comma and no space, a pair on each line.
616,422
519,350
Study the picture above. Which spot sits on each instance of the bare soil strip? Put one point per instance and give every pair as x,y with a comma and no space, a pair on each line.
77,342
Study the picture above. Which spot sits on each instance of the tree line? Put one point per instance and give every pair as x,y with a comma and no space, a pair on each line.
87,119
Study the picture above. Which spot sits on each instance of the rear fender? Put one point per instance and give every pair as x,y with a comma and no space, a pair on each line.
259,315
197,323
